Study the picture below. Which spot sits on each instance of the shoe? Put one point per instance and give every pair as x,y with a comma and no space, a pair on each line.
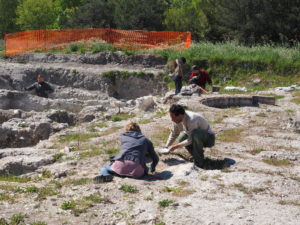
199,164
102,179
191,159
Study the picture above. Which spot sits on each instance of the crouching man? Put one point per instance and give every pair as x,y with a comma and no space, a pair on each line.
193,132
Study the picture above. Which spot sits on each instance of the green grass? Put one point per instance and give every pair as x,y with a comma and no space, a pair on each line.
262,57
79,206
262,114
249,191
109,131
122,116
14,179
165,203
46,191
295,178
58,156
31,189
293,203
6,198
161,136
80,181
95,198
18,218
81,137
101,47
2,49
296,97
256,151
177,191
230,135
114,74
111,151
92,153
67,205
128,188
38,223
278,162
93,127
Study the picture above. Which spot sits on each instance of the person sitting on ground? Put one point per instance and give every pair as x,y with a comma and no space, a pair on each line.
41,87
131,162
200,77
197,133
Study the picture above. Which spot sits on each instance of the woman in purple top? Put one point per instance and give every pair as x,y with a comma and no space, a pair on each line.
131,162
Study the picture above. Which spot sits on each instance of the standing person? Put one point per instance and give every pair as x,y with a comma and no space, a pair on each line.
200,77
196,134
178,74
41,87
131,162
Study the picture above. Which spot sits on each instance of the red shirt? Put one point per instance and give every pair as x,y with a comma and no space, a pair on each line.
203,77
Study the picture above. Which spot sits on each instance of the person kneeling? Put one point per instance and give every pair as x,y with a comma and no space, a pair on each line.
131,162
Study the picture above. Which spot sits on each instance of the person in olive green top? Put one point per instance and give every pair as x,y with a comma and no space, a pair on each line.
178,74
196,133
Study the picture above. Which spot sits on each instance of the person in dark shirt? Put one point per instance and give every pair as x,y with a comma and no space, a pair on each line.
41,87
200,77
131,161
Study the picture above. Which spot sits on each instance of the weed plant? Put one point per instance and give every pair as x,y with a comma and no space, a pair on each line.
14,179
165,203
128,188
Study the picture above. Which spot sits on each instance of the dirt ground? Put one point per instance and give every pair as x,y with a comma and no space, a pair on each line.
251,175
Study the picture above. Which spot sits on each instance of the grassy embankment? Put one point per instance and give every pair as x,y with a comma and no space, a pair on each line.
229,64
236,65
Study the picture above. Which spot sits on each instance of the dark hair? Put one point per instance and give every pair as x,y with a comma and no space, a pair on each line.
183,60
195,67
177,109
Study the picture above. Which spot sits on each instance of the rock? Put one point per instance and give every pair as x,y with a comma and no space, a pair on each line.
61,116
21,133
5,115
18,132
231,88
145,103
290,88
256,81
20,161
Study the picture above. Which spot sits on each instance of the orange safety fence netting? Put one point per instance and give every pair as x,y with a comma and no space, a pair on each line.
32,40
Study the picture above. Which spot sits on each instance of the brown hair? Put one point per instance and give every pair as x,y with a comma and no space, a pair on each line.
132,126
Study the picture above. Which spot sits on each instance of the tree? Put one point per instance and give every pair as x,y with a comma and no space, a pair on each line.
7,16
257,21
139,14
93,14
66,11
36,14
187,15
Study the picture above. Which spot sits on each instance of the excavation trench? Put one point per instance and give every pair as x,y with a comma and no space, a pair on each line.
237,101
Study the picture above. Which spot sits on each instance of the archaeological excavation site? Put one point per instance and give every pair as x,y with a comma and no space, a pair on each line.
52,148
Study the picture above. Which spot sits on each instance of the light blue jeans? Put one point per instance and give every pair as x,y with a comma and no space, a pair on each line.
106,170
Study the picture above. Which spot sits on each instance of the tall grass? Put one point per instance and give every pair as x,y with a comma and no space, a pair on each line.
237,65
2,48
263,55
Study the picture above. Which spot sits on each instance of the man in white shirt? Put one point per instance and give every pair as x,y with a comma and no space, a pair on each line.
196,133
